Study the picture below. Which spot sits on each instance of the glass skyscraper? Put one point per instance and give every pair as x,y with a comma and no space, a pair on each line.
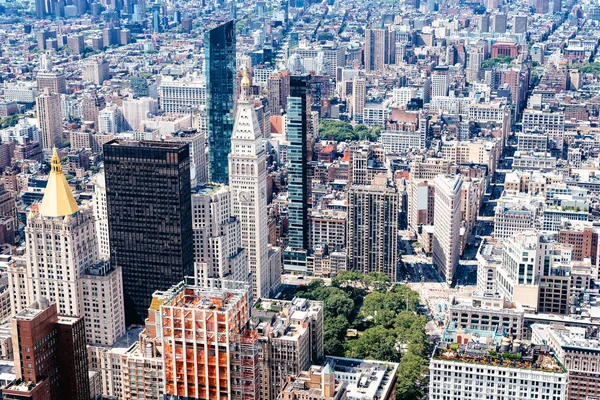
149,218
295,253
219,62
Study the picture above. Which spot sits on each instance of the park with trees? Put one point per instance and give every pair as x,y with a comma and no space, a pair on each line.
369,317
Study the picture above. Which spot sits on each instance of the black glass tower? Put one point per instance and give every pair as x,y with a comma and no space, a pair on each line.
294,258
149,218
219,53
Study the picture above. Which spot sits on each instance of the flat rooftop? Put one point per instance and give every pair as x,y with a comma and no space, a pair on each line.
145,143
366,379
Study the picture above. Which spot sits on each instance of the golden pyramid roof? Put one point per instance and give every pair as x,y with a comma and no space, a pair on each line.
58,199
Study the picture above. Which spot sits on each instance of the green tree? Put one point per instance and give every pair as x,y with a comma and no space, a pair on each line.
411,371
375,343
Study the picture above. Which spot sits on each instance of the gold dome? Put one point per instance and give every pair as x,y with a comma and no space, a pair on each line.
245,79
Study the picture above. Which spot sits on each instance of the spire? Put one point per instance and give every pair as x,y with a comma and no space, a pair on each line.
246,83
58,199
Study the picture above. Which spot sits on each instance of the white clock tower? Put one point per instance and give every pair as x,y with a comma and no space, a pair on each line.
248,181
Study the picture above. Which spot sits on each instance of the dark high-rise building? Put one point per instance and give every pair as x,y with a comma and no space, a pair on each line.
50,355
296,251
219,53
149,218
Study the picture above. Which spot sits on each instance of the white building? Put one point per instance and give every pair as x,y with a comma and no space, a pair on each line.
248,180
552,123
101,216
110,120
399,142
446,237
402,96
466,365
218,251
101,291
137,110
183,95
21,92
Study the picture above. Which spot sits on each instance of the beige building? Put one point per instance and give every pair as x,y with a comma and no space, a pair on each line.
429,168
327,227
359,96
446,237
95,70
49,117
291,340
318,383
101,290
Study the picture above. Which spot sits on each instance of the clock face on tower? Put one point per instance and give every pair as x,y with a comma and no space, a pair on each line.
243,196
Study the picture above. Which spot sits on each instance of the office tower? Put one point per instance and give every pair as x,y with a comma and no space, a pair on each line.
284,355
219,64
556,6
519,24
50,355
542,6
137,110
248,181
470,373
207,324
218,251
55,82
95,70
446,236
278,90
149,218
499,22
380,49
49,116
182,95
476,57
294,256
373,227
101,286
484,22
55,264
440,81
359,94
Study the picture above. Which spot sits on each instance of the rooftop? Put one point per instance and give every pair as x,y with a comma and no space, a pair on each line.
491,348
364,378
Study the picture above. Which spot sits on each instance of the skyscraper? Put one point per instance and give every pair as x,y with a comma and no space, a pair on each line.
248,181
380,49
219,63
56,262
294,257
359,95
373,227
49,117
149,218
218,251
446,236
